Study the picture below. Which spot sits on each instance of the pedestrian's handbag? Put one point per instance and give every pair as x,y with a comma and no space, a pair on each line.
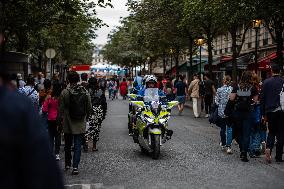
214,117
230,108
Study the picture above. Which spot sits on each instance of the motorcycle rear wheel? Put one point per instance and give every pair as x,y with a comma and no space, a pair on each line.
155,141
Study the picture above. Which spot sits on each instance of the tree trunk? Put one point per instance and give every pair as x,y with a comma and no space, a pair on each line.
177,60
164,64
233,32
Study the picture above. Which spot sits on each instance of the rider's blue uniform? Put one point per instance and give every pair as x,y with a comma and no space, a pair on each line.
142,92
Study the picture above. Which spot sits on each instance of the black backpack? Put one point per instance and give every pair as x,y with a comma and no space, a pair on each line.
78,102
243,102
201,88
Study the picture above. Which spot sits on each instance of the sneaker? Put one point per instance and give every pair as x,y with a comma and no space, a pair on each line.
75,171
229,150
207,115
57,157
244,157
267,155
67,167
223,148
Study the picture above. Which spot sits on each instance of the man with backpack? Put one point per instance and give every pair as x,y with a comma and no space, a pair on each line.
272,107
75,106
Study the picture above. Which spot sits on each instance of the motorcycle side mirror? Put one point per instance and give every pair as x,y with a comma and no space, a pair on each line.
172,104
131,96
139,104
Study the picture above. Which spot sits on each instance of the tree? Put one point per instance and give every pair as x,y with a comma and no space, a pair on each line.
235,15
205,17
272,13
31,26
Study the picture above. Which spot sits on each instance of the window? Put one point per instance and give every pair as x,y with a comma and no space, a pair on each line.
220,51
249,45
226,50
215,52
265,38
265,42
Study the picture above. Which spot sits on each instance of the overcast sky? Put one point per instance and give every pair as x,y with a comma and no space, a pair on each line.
111,17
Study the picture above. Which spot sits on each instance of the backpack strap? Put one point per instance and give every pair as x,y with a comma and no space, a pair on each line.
31,92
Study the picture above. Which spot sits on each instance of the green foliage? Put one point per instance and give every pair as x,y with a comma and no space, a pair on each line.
68,26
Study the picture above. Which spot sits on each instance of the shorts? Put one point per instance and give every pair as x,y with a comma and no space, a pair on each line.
181,99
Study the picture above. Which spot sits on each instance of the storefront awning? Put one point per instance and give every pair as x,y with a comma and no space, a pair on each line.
264,63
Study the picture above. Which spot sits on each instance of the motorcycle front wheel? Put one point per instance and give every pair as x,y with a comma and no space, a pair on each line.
155,141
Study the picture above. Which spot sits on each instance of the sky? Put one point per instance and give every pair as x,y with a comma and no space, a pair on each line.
111,17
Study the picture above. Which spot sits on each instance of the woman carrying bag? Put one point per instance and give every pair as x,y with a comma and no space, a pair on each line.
221,100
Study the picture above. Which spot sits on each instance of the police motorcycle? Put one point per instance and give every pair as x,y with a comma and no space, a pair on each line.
132,110
150,127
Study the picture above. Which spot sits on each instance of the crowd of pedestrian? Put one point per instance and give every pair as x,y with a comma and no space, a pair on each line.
252,113
75,111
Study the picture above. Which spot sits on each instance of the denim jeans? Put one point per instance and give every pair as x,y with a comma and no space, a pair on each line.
226,133
77,149
244,124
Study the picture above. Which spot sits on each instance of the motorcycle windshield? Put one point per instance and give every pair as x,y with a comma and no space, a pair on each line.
151,94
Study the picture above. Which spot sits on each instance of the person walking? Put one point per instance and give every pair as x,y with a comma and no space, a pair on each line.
181,92
138,79
194,94
98,113
244,95
26,157
221,100
29,91
210,91
123,88
75,106
274,114
51,106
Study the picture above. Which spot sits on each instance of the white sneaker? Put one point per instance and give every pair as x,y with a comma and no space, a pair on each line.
207,115
57,157
223,148
229,150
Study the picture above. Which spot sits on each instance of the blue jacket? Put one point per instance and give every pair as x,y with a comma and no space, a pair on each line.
269,97
142,92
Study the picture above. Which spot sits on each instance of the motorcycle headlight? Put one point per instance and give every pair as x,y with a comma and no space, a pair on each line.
164,119
149,119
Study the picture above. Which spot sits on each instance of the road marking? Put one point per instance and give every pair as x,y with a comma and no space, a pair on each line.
90,186
86,186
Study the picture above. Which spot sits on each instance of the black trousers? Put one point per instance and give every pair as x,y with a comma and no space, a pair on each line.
276,129
208,100
54,135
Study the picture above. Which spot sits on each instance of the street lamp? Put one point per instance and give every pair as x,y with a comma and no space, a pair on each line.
200,42
256,25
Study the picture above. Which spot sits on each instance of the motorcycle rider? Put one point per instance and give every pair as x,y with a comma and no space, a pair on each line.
150,82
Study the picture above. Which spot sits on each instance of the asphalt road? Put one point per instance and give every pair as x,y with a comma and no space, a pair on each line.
191,159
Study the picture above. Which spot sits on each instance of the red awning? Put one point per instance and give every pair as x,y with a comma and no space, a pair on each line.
264,63
81,68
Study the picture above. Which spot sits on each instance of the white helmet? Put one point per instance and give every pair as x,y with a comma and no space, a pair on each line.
151,78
